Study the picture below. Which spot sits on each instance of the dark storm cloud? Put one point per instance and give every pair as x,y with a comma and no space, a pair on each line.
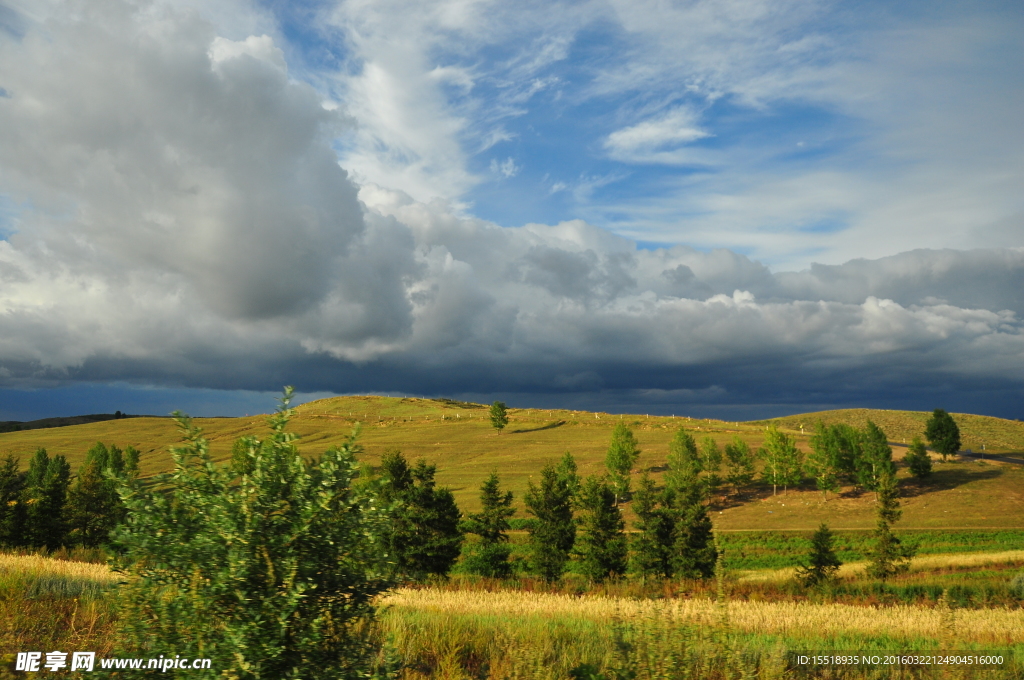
184,223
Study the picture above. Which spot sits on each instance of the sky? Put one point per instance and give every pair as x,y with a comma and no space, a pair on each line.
725,208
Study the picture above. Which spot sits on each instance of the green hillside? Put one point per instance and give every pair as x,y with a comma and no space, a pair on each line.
458,438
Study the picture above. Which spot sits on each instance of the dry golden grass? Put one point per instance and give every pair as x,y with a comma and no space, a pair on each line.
796,619
922,563
36,566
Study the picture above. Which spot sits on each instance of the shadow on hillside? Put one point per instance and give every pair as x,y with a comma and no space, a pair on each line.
944,480
549,426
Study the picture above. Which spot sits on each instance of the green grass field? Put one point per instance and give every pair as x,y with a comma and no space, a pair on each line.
458,438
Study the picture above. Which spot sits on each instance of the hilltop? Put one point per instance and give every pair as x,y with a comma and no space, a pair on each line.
458,438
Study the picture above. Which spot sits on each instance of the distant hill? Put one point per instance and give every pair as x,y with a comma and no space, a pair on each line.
996,434
458,438
43,423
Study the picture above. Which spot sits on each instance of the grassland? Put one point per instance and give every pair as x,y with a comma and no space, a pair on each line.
458,438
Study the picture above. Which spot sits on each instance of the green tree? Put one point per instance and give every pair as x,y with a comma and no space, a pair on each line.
622,455
12,510
45,496
553,534
918,460
889,556
567,472
782,460
499,415
601,547
711,464
424,535
683,460
692,553
823,463
490,556
272,574
942,433
740,464
94,507
652,540
876,458
823,563
848,441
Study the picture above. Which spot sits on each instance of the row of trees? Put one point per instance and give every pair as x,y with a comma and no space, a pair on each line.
45,507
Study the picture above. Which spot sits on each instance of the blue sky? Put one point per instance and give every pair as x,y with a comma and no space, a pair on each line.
699,207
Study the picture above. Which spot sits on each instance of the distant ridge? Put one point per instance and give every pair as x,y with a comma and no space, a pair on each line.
44,423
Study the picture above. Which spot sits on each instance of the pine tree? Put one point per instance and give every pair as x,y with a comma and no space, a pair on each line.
917,459
490,556
619,460
711,464
499,415
889,556
823,463
740,464
692,552
425,536
567,472
45,495
823,563
553,534
849,444
94,507
683,460
272,574
653,537
601,547
942,433
12,509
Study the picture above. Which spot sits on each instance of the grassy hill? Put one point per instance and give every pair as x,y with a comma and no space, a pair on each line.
458,438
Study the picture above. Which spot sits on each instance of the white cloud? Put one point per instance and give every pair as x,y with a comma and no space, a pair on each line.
641,142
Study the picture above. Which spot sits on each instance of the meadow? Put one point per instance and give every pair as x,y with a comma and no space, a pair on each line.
965,522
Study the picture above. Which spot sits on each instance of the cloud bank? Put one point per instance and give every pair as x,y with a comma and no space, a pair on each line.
176,215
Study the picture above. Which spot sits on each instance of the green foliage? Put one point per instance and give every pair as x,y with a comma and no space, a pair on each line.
424,535
12,511
620,459
601,547
94,507
889,556
490,555
567,472
271,573
917,459
693,547
823,563
45,496
740,464
823,463
942,433
653,537
553,534
711,464
499,415
875,461
782,460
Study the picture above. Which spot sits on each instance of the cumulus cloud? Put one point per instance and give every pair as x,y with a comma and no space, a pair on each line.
180,218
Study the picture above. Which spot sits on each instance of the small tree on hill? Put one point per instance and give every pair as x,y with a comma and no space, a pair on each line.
889,556
602,546
782,460
740,464
918,460
823,563
620,459
942,433
711,464
823,463
271,574
490,557
499,415
876,458
553,534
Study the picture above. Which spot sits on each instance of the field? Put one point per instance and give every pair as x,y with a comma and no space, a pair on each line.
966,522
458,438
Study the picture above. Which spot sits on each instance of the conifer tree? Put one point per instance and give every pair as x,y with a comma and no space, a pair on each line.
823,463
711,465
425,536
499,415
601,546
823,563
740,464
567,472
619,460
917,459
692,553
12,509
652,541
889,556
45,495
942,433
490,557
94,507
553,533
683,460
